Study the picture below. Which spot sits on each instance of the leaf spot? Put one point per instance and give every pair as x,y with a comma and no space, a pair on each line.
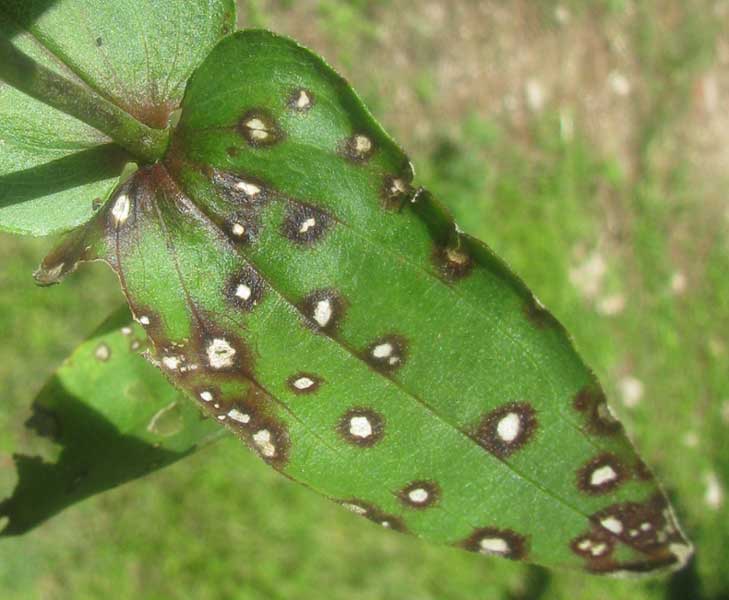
452,262
387,353
301,100
506,429
206,396
323,309
259,129
591,401
362,427
305,224
601,474
497,542
359,148
304,383
245,289
102,352
420,494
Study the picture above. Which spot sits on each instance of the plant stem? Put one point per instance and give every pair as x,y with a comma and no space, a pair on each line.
22,72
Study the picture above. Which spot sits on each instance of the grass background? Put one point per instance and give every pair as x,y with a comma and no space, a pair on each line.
589,147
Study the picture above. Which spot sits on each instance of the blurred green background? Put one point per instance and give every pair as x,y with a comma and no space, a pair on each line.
588,144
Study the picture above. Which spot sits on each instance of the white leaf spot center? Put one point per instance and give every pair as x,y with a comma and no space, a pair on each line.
243,291
360,427
239,416
220,354
262,439
603,475
249,189
613,525
303,383
494,545
382,350
121,209
307,224
362,144
509,427
323,312
418,495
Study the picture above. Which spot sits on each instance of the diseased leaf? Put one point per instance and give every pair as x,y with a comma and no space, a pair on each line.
303,292
139,55
110,417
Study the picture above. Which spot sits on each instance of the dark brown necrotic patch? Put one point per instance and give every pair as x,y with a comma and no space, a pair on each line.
452,263
637,566
305,224
420,494
497,542
301,100
642,471
250,418
245,289
217,351
374,514
243,227
243,190
323,310
507,429
538,315
387,354
304,383
591,402
362,427
648,527
359,148
396,191
595,546
259,128
601,474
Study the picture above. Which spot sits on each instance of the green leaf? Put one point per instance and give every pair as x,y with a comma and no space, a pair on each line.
104,418
303,292
138,55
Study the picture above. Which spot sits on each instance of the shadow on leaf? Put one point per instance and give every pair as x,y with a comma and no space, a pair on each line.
75,170
95,457
23,19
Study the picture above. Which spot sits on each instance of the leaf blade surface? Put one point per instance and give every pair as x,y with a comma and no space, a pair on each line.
353,337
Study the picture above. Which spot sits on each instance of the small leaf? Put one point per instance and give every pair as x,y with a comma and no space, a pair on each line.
139,55
109,417
297,286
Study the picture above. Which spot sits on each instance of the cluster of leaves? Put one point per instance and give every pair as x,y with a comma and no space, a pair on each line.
295,285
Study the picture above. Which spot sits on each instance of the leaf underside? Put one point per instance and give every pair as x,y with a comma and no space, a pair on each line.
108,417
298,287
139,54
